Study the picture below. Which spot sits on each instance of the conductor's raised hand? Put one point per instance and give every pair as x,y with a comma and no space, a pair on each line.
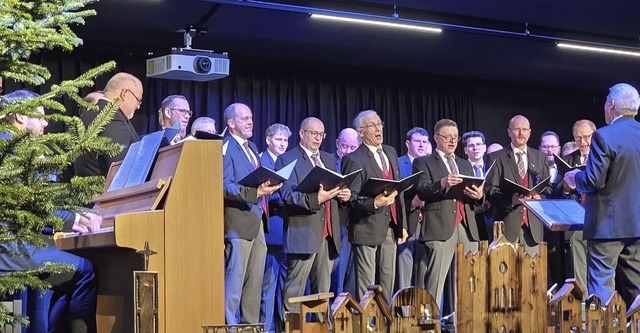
267,189
450,180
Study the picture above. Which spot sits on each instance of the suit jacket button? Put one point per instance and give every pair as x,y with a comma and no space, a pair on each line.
387,214
454,200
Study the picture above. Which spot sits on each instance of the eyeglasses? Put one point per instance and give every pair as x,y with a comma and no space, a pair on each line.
316,134
376,125
449,138
584,137
549,147
521,130
346,146
183,112
134,96
475,145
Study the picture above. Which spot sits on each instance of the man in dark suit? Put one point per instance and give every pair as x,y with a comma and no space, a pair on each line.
72,306
582,132
527,167
245,218
418,145
447,221
343,276
275,270
175,109
376,225
312,232
612,213
128,89
475,148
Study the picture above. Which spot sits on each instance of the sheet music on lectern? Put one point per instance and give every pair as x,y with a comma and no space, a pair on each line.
557,214
136,166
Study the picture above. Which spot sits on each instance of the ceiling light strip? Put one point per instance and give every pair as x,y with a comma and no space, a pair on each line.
599,49
379,23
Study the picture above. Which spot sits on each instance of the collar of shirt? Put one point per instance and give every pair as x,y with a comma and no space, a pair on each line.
616,118
373,149
240,140
309,153
273,156
473,164
442,155
516,150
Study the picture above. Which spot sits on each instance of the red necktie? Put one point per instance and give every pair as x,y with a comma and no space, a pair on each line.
460,212
327,204
387,174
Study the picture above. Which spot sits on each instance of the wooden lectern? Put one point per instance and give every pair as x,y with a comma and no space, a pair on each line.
179,214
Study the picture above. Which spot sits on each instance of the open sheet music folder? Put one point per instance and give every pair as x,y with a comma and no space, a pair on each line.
564,167
557,214
139,160
262,174
374,186
329,179
457,191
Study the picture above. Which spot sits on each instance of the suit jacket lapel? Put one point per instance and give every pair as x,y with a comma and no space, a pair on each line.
242,153
372,161
513,166
441,165
393,162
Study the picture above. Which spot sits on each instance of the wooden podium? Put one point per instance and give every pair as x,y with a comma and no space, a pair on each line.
179,214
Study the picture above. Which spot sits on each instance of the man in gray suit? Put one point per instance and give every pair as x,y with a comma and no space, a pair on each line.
312,232
447,220
245,218
612,213
376,225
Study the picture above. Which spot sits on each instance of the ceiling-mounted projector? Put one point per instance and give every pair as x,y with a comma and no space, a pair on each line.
189,64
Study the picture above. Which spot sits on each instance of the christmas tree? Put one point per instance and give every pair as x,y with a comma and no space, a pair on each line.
27,160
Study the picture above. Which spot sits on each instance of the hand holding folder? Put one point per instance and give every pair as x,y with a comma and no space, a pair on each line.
264,174
375,186
327,178
564,167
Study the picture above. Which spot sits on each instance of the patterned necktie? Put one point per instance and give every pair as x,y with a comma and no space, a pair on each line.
583,159
252,159
452,164
328,229
383,162
477,170
521,170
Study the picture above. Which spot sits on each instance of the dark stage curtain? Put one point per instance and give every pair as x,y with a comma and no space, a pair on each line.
287,94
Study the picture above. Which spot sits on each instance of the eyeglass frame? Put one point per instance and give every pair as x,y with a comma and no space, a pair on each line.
583,137
183,111
449,139
314,133
521,130
549,147
134,96
374,126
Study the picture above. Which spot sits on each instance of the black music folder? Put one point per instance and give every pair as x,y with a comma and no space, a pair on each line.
509,186
207,136
329,179
262,174
457,191
557,214
374,186
564,167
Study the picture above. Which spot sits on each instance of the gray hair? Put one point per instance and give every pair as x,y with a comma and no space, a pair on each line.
277,128
167,102
202,123
357,122
583,122
625,97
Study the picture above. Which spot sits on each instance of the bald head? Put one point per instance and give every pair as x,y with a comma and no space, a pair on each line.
348,141
311,133
128,89
519,131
